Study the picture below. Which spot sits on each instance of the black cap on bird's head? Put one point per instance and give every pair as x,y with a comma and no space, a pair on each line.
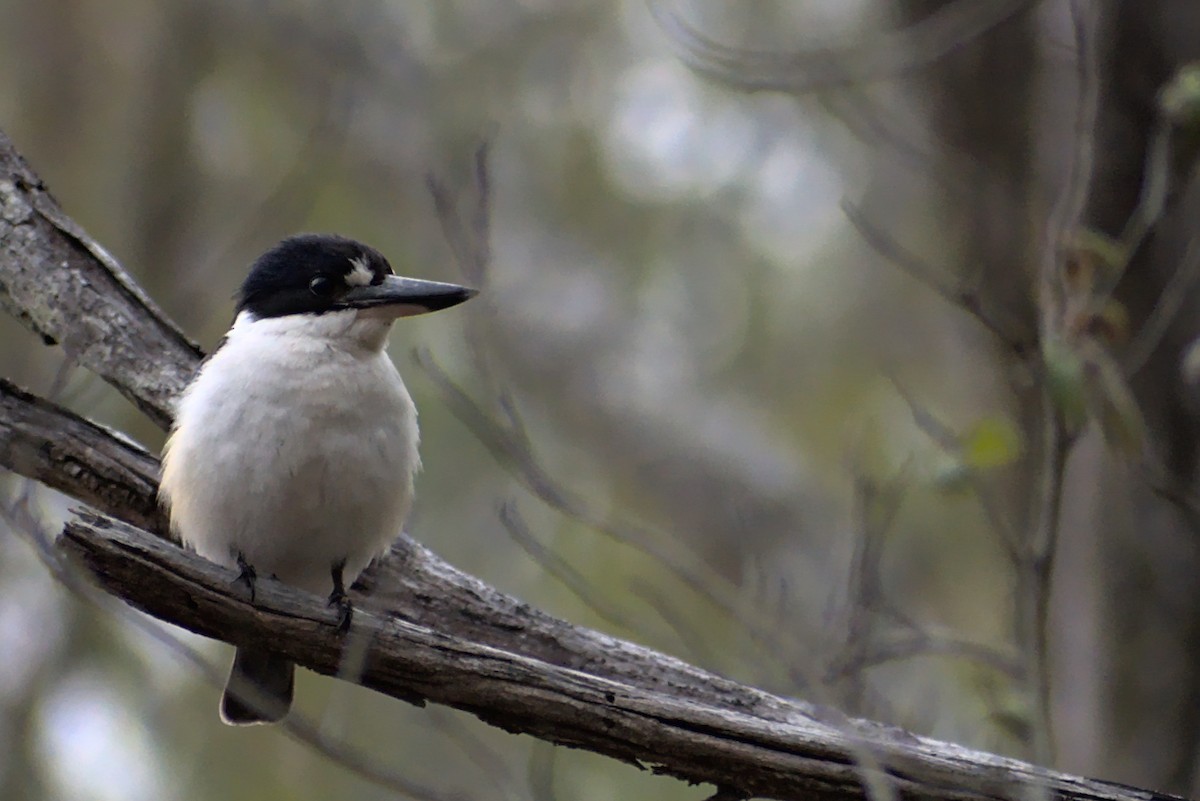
319,273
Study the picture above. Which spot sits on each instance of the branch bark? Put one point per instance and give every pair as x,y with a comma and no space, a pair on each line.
437,634
68,290
430,631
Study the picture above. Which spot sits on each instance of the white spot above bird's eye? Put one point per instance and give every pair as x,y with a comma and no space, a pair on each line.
360,273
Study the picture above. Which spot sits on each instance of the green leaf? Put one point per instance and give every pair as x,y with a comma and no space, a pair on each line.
1180,99
1066,382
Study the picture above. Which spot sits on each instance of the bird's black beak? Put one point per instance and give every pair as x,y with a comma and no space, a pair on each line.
404,297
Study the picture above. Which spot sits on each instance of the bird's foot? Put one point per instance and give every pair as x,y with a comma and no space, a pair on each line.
345,610
338,598
246,574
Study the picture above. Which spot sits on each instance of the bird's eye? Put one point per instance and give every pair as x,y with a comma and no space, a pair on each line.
322,286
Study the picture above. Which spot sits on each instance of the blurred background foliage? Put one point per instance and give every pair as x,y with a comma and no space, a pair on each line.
707,355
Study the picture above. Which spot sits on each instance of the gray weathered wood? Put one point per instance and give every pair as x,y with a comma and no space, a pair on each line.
435,633
440,634
67,289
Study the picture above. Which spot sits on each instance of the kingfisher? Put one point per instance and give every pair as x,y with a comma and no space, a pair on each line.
294,447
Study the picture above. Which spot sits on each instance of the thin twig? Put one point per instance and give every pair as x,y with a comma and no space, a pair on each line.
508,439
874,123
1035,582
884,57
467,232
580,585
875,509
926,644
1170,301
690,635
1068,207
685,565
540,772
511,444
968,301
1165,484
945,438
1036,575
291,191
492,765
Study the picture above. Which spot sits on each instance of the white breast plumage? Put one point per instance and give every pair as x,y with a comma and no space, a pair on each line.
295,447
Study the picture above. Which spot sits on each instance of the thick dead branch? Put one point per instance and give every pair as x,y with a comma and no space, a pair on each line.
681,737
64,287
697,739
472,647
434,633
118,478
65,452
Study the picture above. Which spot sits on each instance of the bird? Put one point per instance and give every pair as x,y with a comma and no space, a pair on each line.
294,447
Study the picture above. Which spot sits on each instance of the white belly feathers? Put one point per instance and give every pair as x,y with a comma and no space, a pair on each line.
295,451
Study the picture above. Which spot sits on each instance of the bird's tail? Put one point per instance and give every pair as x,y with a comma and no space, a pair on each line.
259,689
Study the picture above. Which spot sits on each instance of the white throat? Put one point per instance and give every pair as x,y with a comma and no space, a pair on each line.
348,329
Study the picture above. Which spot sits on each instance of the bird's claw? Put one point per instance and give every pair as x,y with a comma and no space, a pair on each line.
345,610
338,598
246,574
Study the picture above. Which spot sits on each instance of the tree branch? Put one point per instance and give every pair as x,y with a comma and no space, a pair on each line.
433,632
438,634
68,290
681,737
695,737
879,58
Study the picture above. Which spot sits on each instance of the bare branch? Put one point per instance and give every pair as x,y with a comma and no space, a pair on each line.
1035,573
470,647
579,584
1170,301
118,478
477,649
49,444
793,756
20,517
684,738
509,444
68,290
945,438
967,300
687,722
884,57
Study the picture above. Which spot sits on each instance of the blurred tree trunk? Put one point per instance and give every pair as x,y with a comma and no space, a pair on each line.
982,107
1126,638
1152,604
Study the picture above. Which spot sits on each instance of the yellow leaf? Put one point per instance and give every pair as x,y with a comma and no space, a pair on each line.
1093,250
1180,98
992,442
